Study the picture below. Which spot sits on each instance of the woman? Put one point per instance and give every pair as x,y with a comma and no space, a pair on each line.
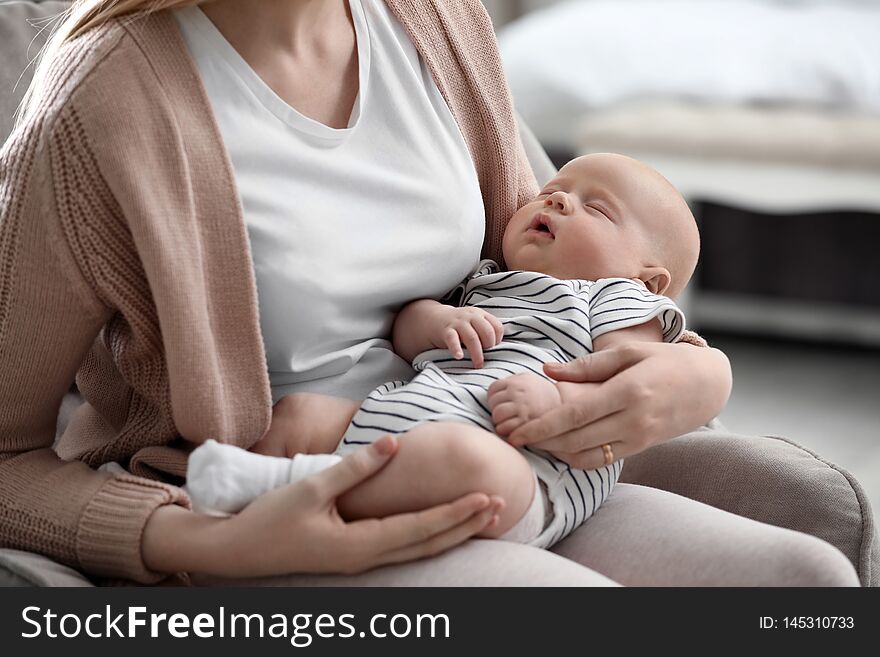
195,216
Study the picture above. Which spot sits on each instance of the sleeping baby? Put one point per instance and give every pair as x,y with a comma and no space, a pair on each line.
594,261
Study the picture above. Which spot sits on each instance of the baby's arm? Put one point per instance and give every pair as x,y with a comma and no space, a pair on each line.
427,324
649,332
521,398
618,310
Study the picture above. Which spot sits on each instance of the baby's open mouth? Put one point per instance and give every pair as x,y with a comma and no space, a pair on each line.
541,224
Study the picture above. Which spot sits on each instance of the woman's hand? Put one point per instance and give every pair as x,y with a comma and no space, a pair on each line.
631,396
297,529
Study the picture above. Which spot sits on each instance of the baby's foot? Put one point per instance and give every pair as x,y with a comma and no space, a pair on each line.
223,479
520,398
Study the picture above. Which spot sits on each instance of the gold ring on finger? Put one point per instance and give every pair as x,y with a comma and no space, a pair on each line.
609,454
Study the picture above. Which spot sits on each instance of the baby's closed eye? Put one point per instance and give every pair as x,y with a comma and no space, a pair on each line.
596,207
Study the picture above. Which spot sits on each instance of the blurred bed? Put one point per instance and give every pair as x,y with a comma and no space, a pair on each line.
764,113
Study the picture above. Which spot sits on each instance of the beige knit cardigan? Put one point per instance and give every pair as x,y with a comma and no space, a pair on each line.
124,262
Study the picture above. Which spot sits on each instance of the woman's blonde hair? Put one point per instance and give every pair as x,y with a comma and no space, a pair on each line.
81,16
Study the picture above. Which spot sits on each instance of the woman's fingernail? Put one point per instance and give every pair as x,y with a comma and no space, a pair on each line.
385,445
483,502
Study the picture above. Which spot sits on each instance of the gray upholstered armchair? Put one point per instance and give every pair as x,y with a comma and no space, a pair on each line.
765,478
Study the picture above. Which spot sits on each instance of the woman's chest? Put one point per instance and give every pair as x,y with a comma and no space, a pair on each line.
377,211
390,200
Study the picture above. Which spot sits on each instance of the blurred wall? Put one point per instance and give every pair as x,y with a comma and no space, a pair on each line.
504,11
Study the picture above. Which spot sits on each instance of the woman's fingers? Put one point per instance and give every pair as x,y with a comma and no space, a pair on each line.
436,530
596,367
441,542
588,437
563,419
593,458
407,529
354,468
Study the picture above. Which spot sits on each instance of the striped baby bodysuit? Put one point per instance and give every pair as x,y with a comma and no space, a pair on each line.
545,320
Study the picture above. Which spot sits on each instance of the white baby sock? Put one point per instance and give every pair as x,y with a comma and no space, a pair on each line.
222,479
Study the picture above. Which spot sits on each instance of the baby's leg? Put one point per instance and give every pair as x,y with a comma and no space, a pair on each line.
306,423
223,479
305,430
439,462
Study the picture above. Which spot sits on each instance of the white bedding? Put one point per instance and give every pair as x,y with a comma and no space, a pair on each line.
579,56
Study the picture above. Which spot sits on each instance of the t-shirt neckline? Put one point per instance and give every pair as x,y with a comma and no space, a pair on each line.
272,101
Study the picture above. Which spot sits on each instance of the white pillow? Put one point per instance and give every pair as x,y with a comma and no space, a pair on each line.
578,56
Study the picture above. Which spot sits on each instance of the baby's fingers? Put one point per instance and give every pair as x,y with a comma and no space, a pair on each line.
471,340
497,326
504,412
453,343
504,429
486,332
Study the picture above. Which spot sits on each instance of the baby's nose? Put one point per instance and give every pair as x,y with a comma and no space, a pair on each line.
558,201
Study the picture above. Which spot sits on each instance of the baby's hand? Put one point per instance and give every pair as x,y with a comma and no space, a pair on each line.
520,398
473,327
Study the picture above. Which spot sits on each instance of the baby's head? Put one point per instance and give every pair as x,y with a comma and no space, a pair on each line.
604,216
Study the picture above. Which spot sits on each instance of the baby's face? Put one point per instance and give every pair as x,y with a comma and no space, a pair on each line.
600,217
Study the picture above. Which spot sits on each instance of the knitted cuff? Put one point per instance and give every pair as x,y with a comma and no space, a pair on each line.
108,540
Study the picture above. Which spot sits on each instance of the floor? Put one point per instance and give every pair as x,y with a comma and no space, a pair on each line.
825,398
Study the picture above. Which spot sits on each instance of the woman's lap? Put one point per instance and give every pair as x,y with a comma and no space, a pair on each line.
479,562
649,537
640,537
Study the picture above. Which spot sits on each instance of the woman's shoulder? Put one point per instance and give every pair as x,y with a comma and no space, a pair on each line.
107,68
443,17
455,10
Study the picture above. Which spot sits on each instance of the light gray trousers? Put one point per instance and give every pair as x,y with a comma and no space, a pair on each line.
640,537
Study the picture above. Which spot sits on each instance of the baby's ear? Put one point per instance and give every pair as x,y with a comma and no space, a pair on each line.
656,279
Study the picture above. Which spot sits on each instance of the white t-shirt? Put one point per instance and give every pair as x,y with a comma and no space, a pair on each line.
347,225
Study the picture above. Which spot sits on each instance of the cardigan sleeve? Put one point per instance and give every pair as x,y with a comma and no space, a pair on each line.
49,317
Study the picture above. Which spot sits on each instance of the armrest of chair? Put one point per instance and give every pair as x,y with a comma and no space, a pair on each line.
768,479
18,568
